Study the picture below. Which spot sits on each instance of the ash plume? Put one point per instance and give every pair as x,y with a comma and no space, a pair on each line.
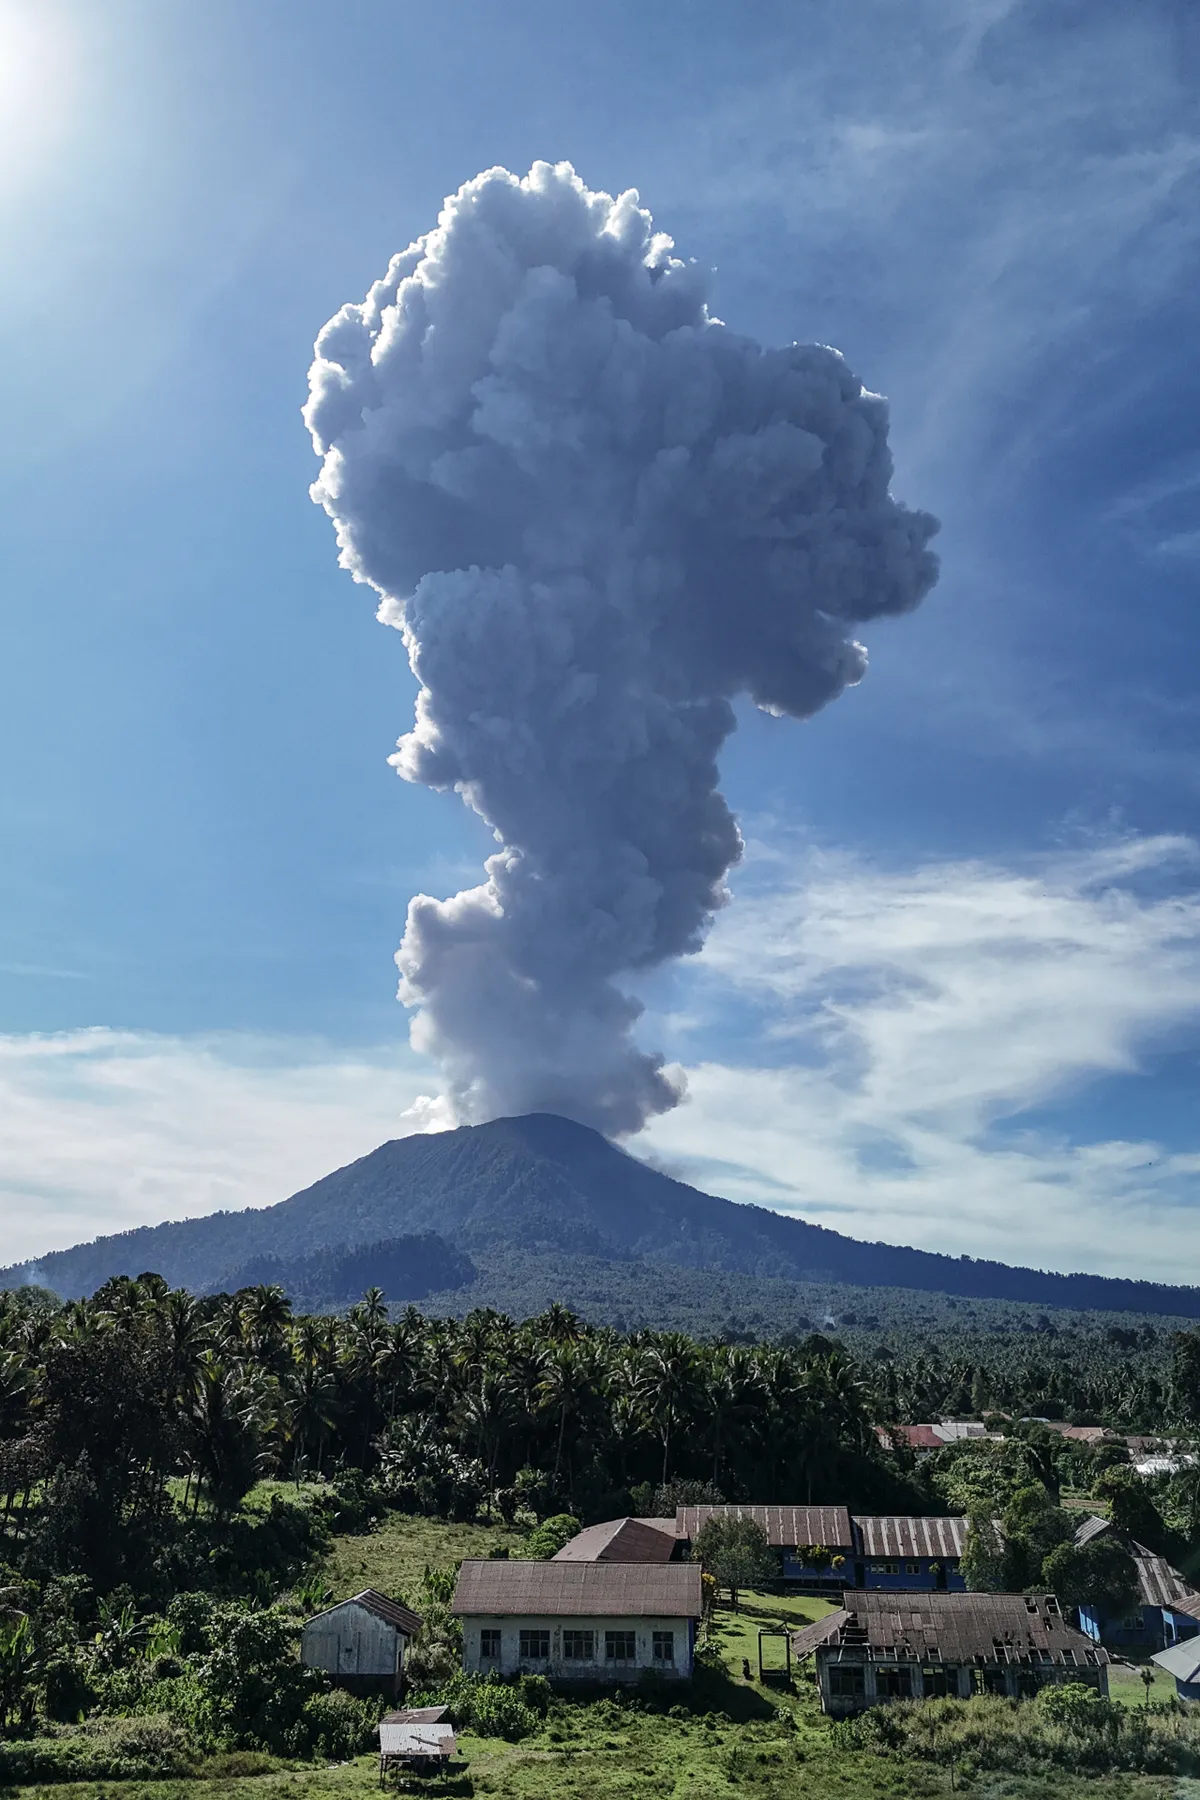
597,516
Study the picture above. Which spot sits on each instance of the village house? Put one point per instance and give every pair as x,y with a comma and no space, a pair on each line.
880,1647
579,1621
360,1642
1167,1608
924,1438
815,1543
822,1548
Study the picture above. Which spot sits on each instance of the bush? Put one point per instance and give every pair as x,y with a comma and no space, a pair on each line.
549,1537
490,1706
145,1749
336,1726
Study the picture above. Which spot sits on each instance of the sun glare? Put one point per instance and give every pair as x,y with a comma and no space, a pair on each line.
34,82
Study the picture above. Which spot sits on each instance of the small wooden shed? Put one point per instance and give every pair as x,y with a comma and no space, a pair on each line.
360,1642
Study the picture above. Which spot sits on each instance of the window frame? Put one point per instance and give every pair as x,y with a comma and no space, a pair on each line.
491,1635
663,1641
527,1654
579,1644
611,1655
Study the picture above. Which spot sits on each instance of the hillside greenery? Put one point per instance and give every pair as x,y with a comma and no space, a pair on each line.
542,1187
183,1478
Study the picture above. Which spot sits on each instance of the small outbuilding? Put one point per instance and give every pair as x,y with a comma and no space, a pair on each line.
419,1738
579,1621
360,1642
880,1647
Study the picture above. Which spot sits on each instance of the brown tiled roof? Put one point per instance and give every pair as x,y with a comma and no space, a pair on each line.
952,1628
910,1536
621,1590
785,1526
393,1611
620,1540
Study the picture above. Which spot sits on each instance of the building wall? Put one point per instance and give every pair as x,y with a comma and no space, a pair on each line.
350,1641
1142,1628
956,1680
558,1667
912,1573
793,1569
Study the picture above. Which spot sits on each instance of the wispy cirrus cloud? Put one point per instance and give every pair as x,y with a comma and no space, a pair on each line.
908,1032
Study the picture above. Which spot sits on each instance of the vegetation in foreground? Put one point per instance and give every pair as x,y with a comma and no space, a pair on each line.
182,1480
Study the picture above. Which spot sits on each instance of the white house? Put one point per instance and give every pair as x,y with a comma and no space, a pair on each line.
579,1621
360,1641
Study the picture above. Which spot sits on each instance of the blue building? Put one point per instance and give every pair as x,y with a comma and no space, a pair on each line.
822,1549
1183,1662
816,1544
1167,1609
909,1552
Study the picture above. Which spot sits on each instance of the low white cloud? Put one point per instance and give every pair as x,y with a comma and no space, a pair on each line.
105,1130
900,1054
909,1023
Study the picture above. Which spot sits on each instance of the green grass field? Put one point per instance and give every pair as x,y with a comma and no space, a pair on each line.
393,1557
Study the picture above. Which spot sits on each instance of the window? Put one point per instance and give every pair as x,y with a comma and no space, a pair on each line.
1029,1682
847,1681
939,1684
535,1646
890,1568
893,1684
988,1681
912,1568
579,1646
489,1646
620,1646
664,1646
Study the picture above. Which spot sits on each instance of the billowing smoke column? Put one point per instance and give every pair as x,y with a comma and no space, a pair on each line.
596,516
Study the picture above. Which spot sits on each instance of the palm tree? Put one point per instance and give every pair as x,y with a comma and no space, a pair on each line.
670,1388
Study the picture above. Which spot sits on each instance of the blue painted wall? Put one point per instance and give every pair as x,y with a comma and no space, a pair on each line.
875,1575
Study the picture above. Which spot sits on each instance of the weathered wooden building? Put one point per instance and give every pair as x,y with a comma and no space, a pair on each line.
882,1647
579,1621
360,1642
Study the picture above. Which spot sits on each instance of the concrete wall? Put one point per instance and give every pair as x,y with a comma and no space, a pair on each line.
350,1641
961,1681
558,1667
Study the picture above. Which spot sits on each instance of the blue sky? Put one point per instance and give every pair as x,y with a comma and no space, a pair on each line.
956,999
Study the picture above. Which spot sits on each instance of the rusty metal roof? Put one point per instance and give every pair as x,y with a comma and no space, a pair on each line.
881,1535
579,1589
620,1540
954,1628
394,1612
1159,1582
785,1526
1091,1528
415,1715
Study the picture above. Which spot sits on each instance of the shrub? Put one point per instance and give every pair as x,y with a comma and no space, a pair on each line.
336,1726
489,1705
144,1749
549,1537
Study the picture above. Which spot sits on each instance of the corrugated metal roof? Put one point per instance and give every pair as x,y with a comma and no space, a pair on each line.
1159,1584
785,1526
1181,1660
415,1715
620,1540
951,1628
575,1589
392,1611
416,1740
1091,1528
891,1536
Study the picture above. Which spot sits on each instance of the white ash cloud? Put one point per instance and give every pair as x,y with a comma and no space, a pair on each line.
597,516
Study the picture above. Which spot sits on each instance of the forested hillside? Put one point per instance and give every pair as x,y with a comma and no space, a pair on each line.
542,1186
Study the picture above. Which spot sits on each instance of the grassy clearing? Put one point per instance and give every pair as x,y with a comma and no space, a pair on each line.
393,1556
1125,1684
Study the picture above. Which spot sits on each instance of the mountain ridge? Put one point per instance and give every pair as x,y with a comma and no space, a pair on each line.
547,1184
